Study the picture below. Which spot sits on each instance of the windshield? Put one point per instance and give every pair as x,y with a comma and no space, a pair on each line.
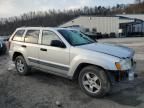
75,38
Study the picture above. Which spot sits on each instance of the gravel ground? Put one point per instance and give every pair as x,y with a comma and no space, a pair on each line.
42,90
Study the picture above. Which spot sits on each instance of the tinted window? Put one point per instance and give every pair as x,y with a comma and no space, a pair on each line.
48,37
18,35
32,36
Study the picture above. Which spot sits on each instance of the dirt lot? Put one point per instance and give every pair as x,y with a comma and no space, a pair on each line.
41,90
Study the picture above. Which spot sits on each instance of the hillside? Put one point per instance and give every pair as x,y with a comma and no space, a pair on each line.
54,18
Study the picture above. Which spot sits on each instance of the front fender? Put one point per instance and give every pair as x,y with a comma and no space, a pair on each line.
98,61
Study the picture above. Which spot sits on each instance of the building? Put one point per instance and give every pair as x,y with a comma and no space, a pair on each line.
103,25
132,16
118,25
133,28
99,24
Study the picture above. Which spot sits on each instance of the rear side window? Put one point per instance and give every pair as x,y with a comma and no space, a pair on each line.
18,35
32,36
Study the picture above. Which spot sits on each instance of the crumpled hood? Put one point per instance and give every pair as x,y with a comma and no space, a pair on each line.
110,49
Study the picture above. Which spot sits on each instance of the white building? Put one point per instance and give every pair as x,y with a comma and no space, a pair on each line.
106,25
101,24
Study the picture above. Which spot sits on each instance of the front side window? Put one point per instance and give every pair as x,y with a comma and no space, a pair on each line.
32,36
48,37
18,35
75,38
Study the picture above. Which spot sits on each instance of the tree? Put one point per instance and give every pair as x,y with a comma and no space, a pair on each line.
54,18
137,1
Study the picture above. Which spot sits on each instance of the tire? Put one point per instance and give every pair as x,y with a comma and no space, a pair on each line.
24,70
94,81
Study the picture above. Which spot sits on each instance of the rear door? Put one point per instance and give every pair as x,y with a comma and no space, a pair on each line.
31,45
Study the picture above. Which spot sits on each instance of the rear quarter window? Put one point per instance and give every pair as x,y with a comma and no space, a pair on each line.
18,35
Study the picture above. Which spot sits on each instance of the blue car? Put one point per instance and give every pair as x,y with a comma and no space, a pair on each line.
2,47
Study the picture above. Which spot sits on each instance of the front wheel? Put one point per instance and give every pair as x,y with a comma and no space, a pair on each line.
94,82
21,65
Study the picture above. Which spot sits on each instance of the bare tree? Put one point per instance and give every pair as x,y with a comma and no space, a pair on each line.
54,18
138,1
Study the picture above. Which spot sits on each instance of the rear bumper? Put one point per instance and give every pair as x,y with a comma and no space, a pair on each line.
118,76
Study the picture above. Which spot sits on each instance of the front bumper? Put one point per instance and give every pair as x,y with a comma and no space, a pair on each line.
117,76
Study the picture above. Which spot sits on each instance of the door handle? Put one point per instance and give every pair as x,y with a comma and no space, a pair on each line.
42,49
24,46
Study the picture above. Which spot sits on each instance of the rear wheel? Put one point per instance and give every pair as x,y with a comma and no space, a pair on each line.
94,82
21,65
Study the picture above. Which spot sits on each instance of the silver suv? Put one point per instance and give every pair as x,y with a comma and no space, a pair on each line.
71,54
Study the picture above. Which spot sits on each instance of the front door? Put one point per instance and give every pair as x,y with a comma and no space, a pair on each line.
53,58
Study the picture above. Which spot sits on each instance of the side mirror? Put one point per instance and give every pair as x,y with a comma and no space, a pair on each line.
58,43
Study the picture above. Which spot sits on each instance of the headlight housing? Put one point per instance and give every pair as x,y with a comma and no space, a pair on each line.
124,64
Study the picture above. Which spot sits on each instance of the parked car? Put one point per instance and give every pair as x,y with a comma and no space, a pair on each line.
4,38
2,47
73,55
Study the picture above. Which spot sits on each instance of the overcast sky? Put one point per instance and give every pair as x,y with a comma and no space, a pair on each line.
10,8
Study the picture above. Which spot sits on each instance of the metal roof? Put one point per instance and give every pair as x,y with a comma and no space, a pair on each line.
132,16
